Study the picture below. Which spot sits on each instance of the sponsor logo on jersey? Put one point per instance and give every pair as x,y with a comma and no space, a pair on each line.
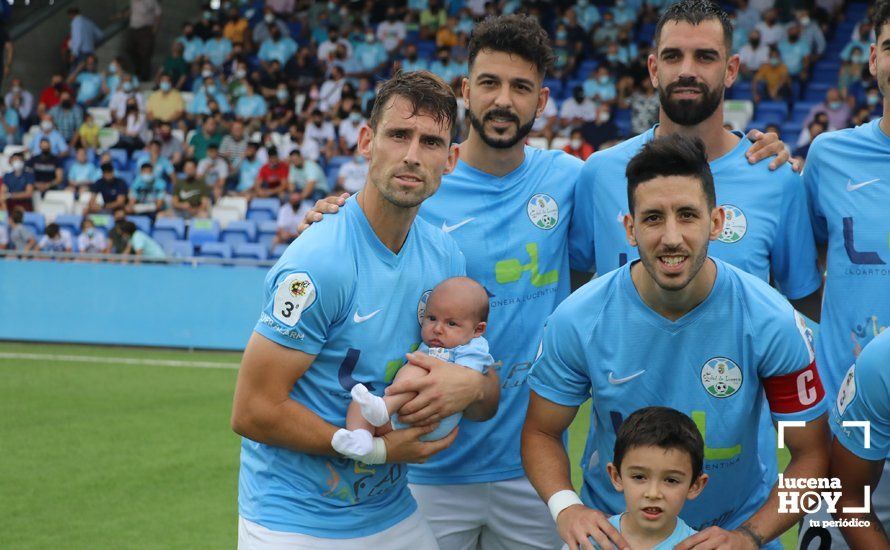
735,226
543,211
721,377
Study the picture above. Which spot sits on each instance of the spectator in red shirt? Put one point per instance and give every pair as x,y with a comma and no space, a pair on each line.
52,94
273,178
577,147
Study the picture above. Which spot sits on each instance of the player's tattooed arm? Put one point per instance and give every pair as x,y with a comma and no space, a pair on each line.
855,474
747,530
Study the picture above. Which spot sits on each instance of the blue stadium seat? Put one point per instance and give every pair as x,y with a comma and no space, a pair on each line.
216,250
254,251
622,117
266,232
816,91
263,209
586,67
775,106
36,222
279,250
426,49
555,86
790,132
170,229
143,223
801,110
741,90
239,232
120,159
203,231
178,249
769,114
70,222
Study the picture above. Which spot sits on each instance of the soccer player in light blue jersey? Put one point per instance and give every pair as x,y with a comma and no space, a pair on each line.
767,231
859,451
678,329
341,308
847,177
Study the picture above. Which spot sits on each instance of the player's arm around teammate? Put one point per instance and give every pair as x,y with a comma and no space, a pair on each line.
547,466
264,412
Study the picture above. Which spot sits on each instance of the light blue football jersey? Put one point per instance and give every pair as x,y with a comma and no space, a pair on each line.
338,293
603,342
865,395
767,228
473,355
681,533
513,231
847,177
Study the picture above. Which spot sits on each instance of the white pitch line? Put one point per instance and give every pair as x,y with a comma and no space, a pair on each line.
117,360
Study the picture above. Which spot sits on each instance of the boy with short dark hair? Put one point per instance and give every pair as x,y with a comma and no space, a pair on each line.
657,464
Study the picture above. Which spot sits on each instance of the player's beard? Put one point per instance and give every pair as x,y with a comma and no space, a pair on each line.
522,130
404,199
689,112
650,262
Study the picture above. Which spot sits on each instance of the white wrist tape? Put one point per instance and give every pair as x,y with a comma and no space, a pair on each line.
562,500
377,454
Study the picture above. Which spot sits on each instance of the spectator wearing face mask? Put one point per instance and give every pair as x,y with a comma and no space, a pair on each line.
148,193
18,185
132,128
836,109
192,44
88,133
321,132
20,235
599,86
371,54
392,31
349,129
262,30
290,216
353,174
111,188
445,67
166,103
175,66
214,170
55,240
327,48
272,179
122,97
88,81
91,240
278,46
772,78
209,92
860,40
248,170
752,55
67,116
815,128
602,129
210,134
796,53
851,69
82,173
52,94
306,177
20,99
217,48
577,109
57,144
251,105
577,147
191,195
237,28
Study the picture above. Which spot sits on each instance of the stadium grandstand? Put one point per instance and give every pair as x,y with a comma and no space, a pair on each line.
266,100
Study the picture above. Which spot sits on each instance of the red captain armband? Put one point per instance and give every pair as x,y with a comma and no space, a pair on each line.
795,392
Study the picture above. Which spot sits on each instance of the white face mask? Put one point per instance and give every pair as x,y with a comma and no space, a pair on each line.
576,143
269,18
46,126
18,165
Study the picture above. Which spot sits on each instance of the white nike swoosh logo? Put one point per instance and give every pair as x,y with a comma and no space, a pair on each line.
362,318
616,381
852,187
449,228
189,194
620,217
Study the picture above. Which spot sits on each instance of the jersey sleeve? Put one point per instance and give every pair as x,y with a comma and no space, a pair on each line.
559,372
788,367
582,255
793,256
474,355
811,187
304,298
865,397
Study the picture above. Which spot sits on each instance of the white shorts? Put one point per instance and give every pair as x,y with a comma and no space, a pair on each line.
412,533
500,515
830,538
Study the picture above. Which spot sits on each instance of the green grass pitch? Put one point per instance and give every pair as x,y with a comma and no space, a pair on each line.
107,447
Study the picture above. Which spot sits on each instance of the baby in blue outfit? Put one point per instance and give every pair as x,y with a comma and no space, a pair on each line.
452,326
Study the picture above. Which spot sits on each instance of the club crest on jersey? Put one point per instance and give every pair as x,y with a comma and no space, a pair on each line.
721,377
847,392
421,305
543,211
735,226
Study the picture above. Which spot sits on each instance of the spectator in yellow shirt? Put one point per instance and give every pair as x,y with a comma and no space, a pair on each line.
88,134
237,28
774,75
165,103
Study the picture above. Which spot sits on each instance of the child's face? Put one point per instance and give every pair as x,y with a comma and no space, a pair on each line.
656,482
450,320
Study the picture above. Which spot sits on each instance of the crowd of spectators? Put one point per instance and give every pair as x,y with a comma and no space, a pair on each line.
267,99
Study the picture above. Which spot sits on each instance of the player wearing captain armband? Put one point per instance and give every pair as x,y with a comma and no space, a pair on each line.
679,329
341,309
452,325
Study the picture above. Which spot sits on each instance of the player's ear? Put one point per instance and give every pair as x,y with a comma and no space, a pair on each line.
718,218
365,137
542,101
697,486
615,477
629,229
453,154
480,329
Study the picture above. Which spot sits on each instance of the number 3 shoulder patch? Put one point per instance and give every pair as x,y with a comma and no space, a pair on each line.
295,294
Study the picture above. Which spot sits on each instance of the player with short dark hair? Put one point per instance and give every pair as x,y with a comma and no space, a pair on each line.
336,290
676,328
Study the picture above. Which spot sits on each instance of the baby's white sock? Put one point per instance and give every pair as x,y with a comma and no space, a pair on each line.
354,443
373,407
